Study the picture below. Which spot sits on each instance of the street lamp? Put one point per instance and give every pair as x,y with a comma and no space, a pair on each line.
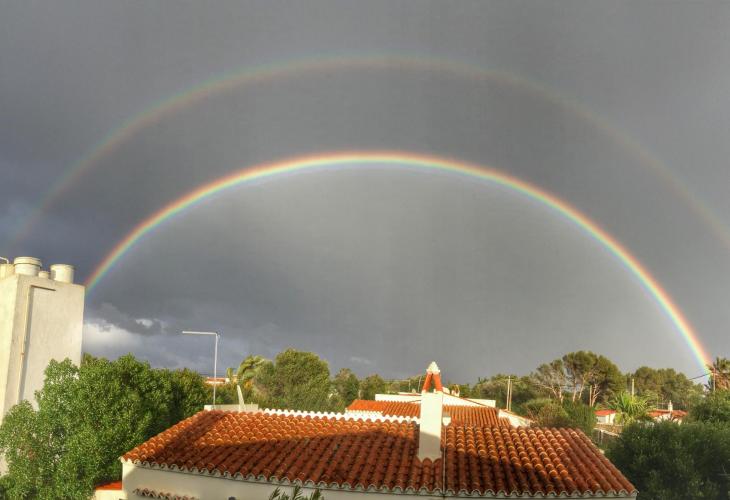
215,357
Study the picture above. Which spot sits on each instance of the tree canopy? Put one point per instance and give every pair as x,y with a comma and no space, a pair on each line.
87,417
667,461
659,386
347,386
372,385
298,380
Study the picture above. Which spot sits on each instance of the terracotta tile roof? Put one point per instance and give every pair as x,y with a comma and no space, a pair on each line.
603,413
353,454
469,415
674,414
261,446
116,485
528,461
395,408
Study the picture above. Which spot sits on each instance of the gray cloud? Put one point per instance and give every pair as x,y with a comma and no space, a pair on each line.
383,269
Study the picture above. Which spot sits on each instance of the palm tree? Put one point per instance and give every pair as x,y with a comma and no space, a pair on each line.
629,408
719,374
247,370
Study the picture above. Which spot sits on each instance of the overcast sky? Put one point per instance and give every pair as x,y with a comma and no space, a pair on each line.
623,111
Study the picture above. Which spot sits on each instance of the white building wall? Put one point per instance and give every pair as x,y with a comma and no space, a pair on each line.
211,487
40,319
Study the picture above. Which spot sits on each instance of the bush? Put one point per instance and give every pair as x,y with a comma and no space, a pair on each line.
715,407
87,417
581,416
668,461
551,413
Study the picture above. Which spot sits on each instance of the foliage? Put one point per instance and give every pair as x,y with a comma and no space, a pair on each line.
347,386
584,375
664,385
495,387
189,393
87,417
581,416
667,461
551,377
248,369
297,380
296,495
551,413
629,408
372,385
410,384
719,375
715,407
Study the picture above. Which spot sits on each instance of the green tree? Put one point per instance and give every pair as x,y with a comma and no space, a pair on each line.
664,385
579,369
372,385
87,417
189,393
719,375
347,386
551,413
551,378
667,461
248,369
296,380
714,408
604,381
629,408
495,387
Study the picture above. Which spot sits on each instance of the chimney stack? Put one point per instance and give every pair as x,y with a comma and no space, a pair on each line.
670,407
432,407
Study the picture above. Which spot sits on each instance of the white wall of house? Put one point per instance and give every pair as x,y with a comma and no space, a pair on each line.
606,419
206,487
210,487
514,419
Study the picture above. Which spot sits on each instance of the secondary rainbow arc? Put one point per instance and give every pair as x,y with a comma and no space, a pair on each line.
287,69
427,163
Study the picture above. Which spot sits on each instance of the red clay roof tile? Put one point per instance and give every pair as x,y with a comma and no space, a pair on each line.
469,415
383,454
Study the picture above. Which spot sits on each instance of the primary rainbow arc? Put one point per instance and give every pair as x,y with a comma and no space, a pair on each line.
427,163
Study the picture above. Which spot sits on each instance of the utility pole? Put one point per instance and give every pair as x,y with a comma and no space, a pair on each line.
509,393
632,387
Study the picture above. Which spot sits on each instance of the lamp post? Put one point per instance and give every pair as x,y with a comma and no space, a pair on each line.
215,357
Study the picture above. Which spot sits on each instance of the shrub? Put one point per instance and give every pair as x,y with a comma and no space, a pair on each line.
668,461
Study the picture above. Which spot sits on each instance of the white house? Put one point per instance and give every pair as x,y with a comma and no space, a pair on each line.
246,455
605,416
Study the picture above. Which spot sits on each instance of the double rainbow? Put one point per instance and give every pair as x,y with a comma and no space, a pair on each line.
220,84
354,159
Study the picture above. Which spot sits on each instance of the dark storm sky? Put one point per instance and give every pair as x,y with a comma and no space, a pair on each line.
381,269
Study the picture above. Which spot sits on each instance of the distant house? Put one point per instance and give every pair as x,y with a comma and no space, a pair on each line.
455,410
436,451
216,380
606,417
670,413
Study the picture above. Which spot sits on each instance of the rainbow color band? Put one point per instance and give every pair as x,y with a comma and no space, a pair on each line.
426,163
227,82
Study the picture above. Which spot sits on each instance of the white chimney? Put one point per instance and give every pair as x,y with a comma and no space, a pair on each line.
432,407
28,266
63,273
670,407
